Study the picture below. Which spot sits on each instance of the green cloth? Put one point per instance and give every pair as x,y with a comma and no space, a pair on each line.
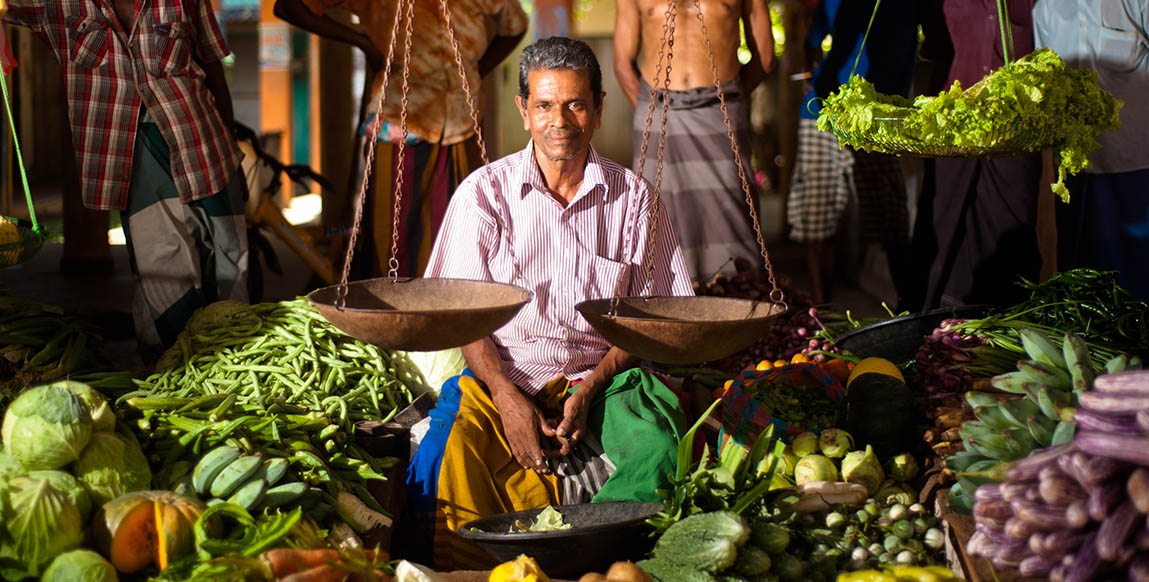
639,422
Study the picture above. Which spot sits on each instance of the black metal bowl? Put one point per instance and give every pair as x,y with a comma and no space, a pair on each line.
600,534
899,339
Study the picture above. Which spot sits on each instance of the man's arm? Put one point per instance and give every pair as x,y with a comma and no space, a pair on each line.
497,52
297,13
217,84
760,39
522,420
627,34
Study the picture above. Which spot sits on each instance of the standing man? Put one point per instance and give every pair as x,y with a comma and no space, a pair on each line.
826,175
441,147
1106,223
548,412
700,182
151,124
976,230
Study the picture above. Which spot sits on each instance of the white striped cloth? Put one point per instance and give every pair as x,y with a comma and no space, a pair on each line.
567,254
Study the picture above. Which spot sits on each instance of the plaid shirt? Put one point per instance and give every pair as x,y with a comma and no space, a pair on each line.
111,72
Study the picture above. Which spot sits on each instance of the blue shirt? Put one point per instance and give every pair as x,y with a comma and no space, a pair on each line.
1108,36
890,48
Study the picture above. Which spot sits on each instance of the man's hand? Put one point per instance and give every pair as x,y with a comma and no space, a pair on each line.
523,422
572,427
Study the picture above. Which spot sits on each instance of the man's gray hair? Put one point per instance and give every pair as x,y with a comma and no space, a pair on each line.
560,52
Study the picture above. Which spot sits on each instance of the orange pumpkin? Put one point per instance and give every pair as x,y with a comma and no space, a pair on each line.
147,527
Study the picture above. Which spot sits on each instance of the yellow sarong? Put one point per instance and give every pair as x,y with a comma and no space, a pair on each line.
480,476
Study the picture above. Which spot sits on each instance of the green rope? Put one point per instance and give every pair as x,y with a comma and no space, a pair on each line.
1006,32
19,158
867,35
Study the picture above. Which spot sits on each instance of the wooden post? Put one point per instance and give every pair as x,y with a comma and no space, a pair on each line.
336,121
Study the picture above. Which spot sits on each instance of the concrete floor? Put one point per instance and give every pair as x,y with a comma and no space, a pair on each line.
105,299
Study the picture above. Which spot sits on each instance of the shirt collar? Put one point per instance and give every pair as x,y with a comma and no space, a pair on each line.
531,177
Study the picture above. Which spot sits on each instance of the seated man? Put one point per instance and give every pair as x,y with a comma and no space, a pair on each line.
548,412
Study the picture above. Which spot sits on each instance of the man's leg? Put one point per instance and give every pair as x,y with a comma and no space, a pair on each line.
818,197
220,226
163,249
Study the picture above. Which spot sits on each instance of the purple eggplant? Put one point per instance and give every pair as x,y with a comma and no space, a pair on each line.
1062,542
1043,517
1123,401
980,545
1139,569
1115,530
1128,448
1141,539
1124,381
993,535
1019,529
1057,574
1077,514
1012,553
1035,566
1027,468
1103,499
1106,422
987,492
1074,465
998,509
1011,491
1086,562
1137,487
1037,543
1058,489
1143,420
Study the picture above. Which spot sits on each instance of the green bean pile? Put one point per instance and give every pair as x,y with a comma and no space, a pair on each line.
281,352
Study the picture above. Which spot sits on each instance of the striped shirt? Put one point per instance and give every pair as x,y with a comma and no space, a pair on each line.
566,255
111,72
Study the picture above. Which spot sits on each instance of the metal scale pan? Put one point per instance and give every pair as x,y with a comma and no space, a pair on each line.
685,330
681,330
414,314
420,314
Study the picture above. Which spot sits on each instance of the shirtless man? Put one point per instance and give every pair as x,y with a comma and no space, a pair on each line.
700,183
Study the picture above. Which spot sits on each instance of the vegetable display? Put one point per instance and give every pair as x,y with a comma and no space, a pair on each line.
1077,511
1011,109
1046,390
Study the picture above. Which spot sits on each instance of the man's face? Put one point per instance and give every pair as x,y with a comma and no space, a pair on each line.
560,112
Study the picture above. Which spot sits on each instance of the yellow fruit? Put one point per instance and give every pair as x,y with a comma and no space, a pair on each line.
799,358
780,363
875,365
522,569
764,366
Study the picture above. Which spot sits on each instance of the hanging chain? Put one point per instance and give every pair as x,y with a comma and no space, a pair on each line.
393,262
372,137
665,51
775,293
516,273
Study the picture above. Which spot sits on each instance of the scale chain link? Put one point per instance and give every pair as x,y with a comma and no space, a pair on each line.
393,262
372,139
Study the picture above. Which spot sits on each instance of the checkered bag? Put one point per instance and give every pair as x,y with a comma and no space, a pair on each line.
742,417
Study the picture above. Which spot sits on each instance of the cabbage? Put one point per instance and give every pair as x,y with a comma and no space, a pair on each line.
46,427
9,467
835,443
80,566
103,417
112,465
862,467
805,444
815,467
903,467
44,522
68,485
424,372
